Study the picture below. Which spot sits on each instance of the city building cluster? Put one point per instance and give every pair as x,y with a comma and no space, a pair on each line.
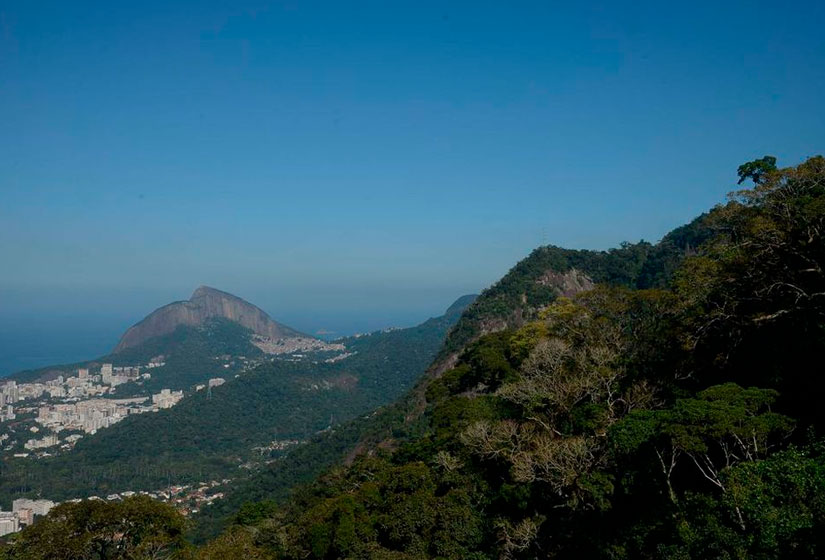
22,513
214,382
165,399
188,499
78,404
295,344
94,414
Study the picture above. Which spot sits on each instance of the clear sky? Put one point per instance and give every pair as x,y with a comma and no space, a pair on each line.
350,165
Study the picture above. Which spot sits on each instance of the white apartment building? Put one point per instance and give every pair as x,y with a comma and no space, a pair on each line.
9,523
167,398
38,507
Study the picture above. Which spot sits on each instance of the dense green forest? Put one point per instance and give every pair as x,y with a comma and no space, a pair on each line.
674,421
212,436
531,284
670,411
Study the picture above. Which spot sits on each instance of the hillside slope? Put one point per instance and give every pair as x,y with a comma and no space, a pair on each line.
209,436
625,422
550,271
515,300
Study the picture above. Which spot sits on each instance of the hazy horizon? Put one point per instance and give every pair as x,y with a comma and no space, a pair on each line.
50,338
354,167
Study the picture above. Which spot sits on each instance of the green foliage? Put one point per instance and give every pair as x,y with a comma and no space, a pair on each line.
252,513
190,353
756,170
519,296
726,412
737,420
487,363
648,417
665,258
237,543
774,508
754,297
136,528
381,510
205,438
612,424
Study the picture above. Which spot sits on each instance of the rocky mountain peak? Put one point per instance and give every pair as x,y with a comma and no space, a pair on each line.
206,303
207,291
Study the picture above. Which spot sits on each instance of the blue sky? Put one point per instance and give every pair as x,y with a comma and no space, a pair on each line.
351,165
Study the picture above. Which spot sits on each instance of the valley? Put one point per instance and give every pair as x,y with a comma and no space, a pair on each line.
224,402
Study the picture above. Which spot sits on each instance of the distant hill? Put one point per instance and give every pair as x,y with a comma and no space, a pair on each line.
189,335
546,274
228,432
206,303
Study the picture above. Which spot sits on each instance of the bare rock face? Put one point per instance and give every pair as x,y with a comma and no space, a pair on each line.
205,303
568,283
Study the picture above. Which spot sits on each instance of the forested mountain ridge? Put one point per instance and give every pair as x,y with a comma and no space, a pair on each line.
678,421
519,297
211,435
550,271
547,273
670,411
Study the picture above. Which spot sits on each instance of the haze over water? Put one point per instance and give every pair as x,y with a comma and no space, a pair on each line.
353,167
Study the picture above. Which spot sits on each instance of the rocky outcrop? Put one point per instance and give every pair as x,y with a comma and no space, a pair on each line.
568,283
206,303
